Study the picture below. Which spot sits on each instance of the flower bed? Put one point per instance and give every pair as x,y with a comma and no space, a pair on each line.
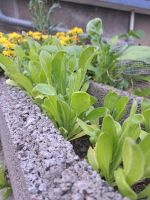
8,41
41,164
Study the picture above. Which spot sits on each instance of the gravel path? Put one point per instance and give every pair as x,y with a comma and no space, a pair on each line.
51,169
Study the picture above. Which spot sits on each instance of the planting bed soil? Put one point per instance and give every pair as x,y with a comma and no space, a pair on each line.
41,164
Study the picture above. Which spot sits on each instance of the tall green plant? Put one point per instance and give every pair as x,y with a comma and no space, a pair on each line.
105,63
41,14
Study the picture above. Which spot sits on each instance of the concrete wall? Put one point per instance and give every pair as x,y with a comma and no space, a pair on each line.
75,14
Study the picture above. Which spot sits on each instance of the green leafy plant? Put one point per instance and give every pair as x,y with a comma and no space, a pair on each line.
113,105
121,66
41,14
56,80
65,114
4,185
121,153
104,65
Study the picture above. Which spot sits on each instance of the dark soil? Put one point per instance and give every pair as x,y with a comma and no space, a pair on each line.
81,146
141,185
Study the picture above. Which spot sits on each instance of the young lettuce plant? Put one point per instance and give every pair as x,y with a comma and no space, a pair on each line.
113,105
63,76
105,63
121,155
65,114
116,105
136,168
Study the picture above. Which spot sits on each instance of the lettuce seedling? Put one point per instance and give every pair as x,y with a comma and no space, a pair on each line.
121,155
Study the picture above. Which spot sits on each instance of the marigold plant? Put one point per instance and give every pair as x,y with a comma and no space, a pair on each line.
8,41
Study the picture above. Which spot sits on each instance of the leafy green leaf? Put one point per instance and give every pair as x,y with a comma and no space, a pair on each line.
110,100
109,127
133,108
120,108
123,185
92,158
85,59
80,102
91,130
145,104
20,52
146,114
133,161
8,65
45,60
59,72
103,154
24,82
136,53
45,89
50,105
94,30
96,114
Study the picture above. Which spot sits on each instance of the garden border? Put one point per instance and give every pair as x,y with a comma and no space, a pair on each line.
43,170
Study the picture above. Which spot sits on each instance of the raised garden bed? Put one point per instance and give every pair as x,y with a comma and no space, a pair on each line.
55,77
41,164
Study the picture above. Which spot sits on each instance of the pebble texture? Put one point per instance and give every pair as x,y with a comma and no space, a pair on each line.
41,164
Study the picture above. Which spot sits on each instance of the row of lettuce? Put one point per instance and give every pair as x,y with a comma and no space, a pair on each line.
55,77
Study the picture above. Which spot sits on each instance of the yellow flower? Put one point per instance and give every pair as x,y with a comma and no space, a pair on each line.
9,53
75,30
6,53
62,42
9,45
14,35
37,33
44,37
29,33
37,37
3,40
60,34
64,38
